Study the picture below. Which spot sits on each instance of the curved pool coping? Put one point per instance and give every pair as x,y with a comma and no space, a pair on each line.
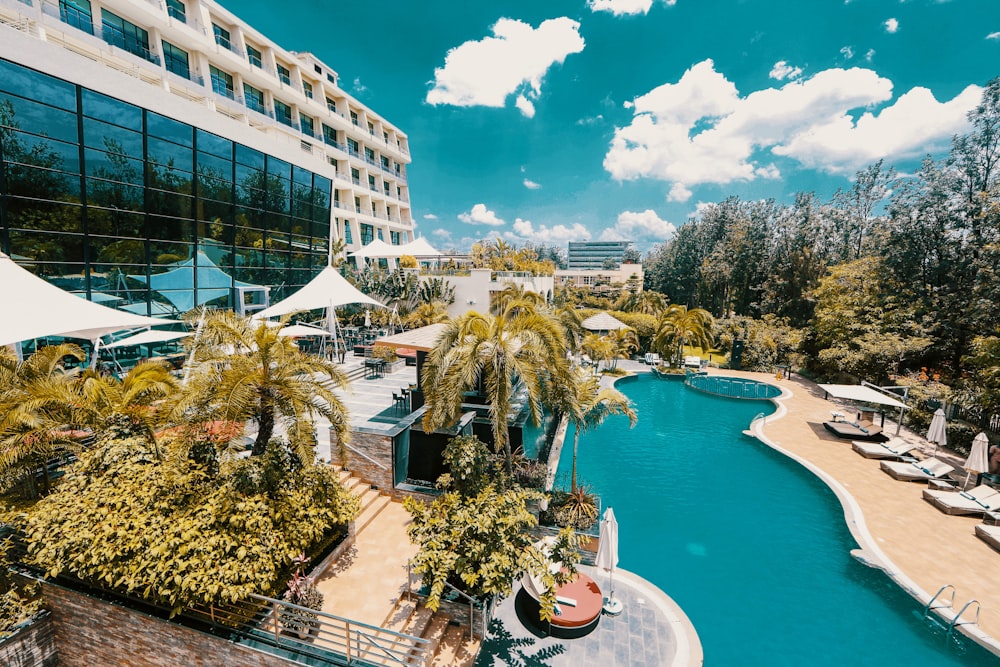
870,553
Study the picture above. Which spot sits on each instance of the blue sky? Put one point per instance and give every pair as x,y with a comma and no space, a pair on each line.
614,119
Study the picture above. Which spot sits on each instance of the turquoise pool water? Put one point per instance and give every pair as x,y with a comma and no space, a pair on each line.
752,545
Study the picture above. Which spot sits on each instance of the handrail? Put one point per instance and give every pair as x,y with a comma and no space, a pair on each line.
366,457
954,621
941,590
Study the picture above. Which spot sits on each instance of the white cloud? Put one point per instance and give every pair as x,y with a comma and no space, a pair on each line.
359,87
480,215
590,120
430,216
531,185
701,130
512,61
442,234
869,55
782,70
525,106
558,234
993,35
847,52
621,7
891,26
639,227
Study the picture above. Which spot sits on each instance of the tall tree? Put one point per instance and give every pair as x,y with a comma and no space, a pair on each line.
680,326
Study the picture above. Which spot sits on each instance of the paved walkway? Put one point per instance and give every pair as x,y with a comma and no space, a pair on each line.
364,584
919,546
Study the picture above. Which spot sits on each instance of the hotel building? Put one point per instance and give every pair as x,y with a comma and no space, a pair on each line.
157,156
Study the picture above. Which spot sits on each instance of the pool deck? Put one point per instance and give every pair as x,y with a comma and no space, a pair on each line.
919,547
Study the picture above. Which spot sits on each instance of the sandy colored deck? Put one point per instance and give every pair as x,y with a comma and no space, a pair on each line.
921,547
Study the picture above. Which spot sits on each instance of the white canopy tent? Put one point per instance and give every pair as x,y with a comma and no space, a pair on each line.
34,308
419,247
147,337
864,394
603,322
378,248
327,290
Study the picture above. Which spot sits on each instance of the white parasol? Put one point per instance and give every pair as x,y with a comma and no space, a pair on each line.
607,558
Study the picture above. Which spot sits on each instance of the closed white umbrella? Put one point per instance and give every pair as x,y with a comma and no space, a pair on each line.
607,558
938,431
978,461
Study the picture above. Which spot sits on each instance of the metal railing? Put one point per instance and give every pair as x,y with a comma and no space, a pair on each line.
730,387
485,609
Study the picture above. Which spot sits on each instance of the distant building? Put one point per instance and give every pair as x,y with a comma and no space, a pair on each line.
595,254
598,279
475,289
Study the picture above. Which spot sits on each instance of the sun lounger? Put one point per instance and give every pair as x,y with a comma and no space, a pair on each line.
919,471
894,449
978,501
864,430
989,534
652,359
692,362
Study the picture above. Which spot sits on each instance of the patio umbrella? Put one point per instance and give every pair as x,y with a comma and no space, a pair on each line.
978,461
607,558
938,431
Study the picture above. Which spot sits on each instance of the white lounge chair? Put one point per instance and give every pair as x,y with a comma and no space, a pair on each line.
918,471
692,362
894,449
652,359
989,534
978,501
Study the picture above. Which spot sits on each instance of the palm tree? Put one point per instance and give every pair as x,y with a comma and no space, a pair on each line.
514,296
107,401
587,405
598,348
493,352
572,324
434,312
647,301
34,398
680,326
247,370
623,342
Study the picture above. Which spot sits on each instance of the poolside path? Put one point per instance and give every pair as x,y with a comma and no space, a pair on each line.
925,545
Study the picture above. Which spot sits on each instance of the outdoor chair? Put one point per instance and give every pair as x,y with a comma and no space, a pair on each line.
917,471
398,402
989,534
894,449
863,430
978,501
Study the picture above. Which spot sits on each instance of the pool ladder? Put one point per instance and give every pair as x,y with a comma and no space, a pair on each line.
951,603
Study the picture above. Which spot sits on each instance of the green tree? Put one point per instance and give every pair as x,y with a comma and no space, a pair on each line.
491,353
247,370
481,544
680,326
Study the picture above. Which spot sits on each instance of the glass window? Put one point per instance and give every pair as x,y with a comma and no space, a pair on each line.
369,154
111,110
176,60
371,183
114,166
371,128
39,152
307,89
77,13
380,234
306,125
249,157
356,176
385,162
215,167
352,146
329,135
36,86
117,196
222,82
284,74
394,238
222,36
354,117
125,35
331,105
347,232
168,154
254,98
282,112
107,137
214,144
34,118
366,234
254,55
45,216
177,10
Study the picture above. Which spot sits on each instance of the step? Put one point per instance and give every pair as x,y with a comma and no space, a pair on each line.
434,632
456,648
370,511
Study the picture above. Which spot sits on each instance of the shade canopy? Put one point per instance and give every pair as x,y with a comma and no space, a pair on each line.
603,322
860,393
423,339
378,248
147,337
938,431
326,290
607,550
33,308
419,247
302,330
177,284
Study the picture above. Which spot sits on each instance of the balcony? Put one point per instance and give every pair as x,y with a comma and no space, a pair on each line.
176,13
116,38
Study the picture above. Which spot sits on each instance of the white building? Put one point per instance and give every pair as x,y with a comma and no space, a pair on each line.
196,62
598,278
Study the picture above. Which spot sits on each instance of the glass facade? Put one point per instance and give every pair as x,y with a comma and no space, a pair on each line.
145,213
126,35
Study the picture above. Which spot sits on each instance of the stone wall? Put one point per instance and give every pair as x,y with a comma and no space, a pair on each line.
31,645
92,632
376,447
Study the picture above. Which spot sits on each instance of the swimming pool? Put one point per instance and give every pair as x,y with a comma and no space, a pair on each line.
749,543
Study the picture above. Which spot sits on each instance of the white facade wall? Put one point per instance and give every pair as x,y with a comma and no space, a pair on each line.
588,278
472,292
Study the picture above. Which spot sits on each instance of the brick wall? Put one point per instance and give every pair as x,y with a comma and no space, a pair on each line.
32,645
374,446
93,632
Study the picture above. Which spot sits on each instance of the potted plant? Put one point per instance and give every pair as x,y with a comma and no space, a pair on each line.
302,592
